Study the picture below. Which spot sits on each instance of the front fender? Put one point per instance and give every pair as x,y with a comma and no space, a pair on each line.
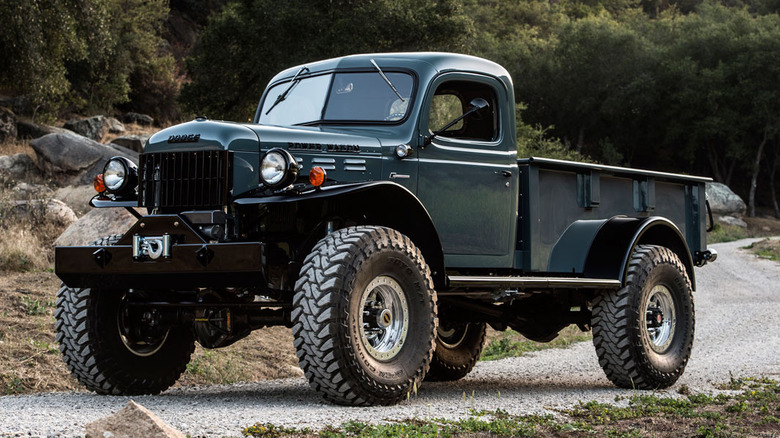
382,203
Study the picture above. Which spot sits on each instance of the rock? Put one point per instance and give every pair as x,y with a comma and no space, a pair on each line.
24,190
115,126
132,421
70,159
94,127
28,129
76,197
731,220
99,222
17,166
18,104
723,201
138,119
133,142
49,211
7,125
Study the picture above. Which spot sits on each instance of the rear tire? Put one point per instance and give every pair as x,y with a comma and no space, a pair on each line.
643,333
109,351
364,316
458,347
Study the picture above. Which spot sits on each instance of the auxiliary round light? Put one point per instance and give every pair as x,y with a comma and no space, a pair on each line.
98,183
317,176
278,168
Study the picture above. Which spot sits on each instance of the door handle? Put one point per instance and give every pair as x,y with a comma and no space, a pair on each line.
506,173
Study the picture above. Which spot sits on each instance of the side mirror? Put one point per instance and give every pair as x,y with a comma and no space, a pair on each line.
476,104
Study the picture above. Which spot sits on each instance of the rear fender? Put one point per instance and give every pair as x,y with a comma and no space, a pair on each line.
602,248
382,203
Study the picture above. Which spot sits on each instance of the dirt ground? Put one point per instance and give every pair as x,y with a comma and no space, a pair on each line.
30,360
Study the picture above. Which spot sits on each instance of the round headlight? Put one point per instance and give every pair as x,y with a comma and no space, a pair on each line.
278,168
119,175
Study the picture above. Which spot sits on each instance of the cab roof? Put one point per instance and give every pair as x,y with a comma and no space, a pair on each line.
426,64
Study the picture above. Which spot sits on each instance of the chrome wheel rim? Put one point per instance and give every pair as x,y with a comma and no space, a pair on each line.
660,319
134,340
452,336
384,318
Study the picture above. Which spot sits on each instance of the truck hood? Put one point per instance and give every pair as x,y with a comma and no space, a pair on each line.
344,156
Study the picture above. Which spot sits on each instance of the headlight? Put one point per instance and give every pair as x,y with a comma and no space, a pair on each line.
278,168
120,175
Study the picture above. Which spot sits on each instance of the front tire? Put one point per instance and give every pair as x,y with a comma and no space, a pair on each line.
458,347
109,350
643,332
364,316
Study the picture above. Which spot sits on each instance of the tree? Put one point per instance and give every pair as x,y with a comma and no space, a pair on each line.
250,40
90,55
38,37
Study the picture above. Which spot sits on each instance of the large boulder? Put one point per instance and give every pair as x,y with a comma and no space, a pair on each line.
16,167
7,125
733,221
94,127
131,421
24,190
99,222
133,142
70,159
723,201
77,197
115,126
28,129
138,119
48,211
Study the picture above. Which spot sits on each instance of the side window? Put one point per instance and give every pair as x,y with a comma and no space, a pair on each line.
451,100
445,108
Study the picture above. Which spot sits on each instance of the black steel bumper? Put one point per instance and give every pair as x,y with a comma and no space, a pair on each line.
192,261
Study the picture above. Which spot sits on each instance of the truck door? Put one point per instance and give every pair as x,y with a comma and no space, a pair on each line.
468,175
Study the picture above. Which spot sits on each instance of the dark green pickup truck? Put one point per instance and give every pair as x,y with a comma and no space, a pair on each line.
378,208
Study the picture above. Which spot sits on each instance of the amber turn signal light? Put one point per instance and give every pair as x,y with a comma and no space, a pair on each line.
98,183
317,176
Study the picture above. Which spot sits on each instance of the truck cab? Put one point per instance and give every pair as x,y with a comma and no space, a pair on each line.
376,205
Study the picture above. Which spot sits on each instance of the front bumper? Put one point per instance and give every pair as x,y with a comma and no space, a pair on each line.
192,261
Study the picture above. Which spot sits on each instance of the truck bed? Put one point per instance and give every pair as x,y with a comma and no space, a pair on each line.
555,193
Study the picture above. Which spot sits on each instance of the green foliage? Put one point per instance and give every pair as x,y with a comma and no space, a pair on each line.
511,344
251,40
268,430
86,55
726,233
766,249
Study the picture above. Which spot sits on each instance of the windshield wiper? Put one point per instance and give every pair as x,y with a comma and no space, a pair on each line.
387,80
284,94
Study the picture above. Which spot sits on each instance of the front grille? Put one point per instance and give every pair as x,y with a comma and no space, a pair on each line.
184,180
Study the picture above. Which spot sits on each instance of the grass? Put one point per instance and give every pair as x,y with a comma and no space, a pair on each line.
751,408
512,344
727,233
766,249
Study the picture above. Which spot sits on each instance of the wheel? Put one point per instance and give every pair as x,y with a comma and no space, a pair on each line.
364,316
458,346
643,332
113,348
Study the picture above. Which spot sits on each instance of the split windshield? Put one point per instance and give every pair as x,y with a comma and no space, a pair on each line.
338,97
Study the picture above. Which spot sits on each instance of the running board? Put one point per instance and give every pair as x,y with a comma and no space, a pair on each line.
461,281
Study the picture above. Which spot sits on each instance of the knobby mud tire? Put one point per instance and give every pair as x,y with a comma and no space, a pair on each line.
331,349
454,358
87,326
620,322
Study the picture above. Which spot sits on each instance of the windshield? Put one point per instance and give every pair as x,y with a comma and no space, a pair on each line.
342,97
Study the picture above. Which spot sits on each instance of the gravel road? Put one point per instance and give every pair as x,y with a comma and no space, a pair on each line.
737,332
